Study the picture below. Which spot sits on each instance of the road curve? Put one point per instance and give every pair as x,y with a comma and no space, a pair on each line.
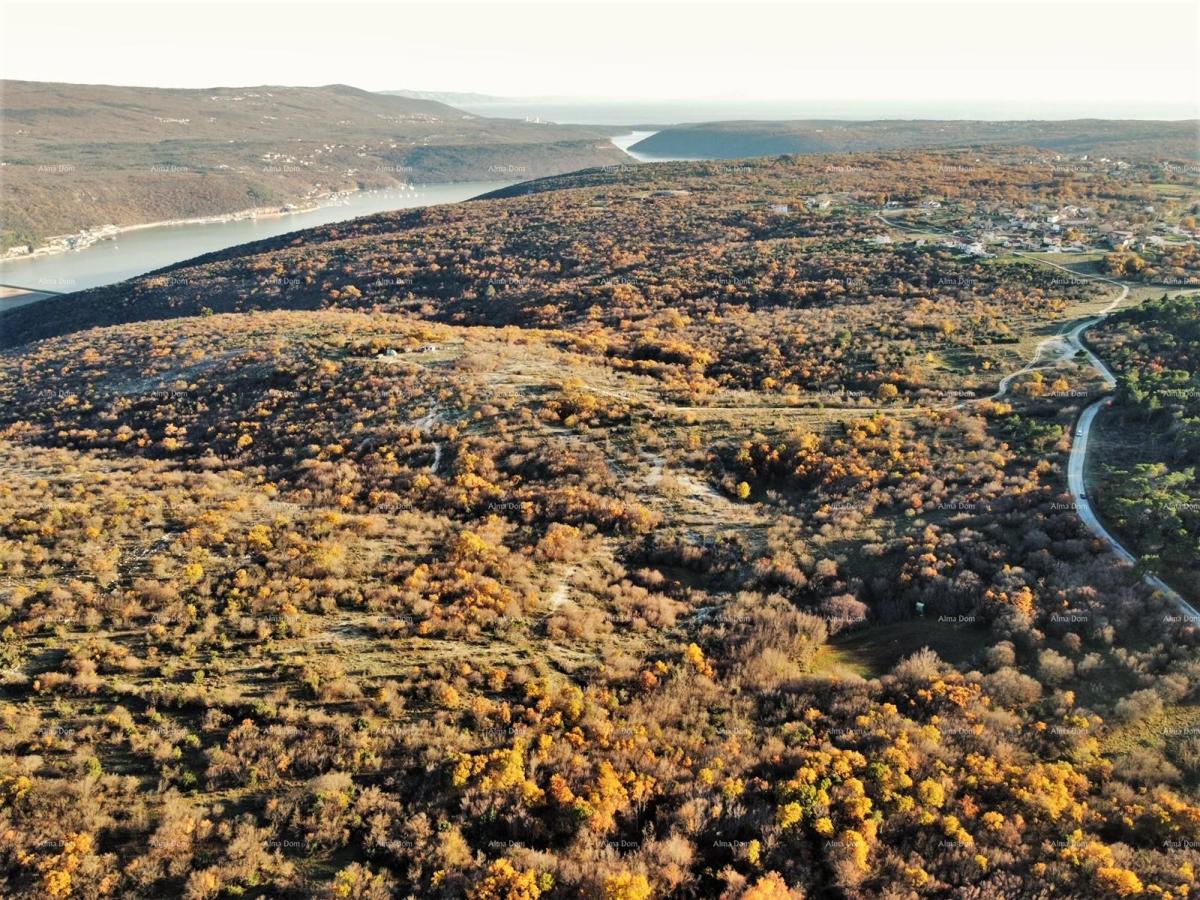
1076,485
1083,506
1078,489
1073,342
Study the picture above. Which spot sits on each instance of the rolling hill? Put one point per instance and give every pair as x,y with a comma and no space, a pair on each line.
731,140
648,531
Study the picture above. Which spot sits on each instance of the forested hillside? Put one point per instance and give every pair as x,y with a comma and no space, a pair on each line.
81,156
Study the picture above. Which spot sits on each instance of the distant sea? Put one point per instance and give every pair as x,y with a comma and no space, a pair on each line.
673,112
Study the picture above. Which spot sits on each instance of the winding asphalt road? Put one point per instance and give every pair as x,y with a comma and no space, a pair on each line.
1075,464
1072,342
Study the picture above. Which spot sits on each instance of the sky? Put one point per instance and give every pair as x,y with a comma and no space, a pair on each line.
1069,58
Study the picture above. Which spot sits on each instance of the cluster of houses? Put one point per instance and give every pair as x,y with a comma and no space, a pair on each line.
63,242
1068,228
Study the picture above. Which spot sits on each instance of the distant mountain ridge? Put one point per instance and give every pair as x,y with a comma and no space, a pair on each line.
81,156
733,140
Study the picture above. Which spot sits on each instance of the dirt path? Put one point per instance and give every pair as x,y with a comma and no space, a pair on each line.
562,591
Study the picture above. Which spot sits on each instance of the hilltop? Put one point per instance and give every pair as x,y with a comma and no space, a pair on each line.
81,156
629,244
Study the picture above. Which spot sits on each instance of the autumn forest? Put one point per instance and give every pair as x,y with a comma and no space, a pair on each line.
686,530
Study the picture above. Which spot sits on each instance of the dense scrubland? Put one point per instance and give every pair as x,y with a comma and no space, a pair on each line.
596,540
1165,264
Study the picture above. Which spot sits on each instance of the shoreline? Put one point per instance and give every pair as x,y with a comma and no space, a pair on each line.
92,235
98,233
109,232
146,246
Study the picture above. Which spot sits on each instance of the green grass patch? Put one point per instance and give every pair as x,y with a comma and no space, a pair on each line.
872,652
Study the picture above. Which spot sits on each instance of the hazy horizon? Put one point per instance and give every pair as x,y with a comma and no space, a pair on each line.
619,111
976,59
637,111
